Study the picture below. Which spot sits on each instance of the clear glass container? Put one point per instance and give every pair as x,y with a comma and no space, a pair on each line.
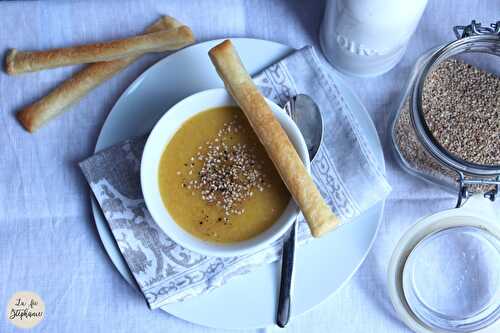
414,145
444,274
459,290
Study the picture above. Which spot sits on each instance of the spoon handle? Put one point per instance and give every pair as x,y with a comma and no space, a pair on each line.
287,260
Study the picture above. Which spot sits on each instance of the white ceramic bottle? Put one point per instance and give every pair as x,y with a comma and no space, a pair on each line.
368,37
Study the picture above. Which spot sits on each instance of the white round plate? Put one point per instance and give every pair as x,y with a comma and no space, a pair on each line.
323,265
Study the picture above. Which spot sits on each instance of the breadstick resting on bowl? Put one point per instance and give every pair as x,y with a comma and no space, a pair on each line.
273,137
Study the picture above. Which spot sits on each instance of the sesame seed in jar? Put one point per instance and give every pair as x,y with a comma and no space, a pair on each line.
460,105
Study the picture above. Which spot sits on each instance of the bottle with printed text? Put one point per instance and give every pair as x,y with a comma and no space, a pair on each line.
368,37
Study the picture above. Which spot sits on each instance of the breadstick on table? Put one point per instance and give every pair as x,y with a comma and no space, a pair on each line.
71,90
18,62
274,139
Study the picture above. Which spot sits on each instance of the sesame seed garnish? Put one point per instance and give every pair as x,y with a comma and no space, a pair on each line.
229,173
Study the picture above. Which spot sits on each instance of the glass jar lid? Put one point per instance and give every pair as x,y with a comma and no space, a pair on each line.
451,279
444,275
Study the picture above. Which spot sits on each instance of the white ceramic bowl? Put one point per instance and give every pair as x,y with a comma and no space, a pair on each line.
155,145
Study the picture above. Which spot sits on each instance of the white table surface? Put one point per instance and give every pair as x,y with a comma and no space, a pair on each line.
48,240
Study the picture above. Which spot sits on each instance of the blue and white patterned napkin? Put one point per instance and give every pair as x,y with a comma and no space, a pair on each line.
344,170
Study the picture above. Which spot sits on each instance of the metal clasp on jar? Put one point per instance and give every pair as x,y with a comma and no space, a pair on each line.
475,28
464,193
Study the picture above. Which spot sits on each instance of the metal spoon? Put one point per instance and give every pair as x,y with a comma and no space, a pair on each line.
307,116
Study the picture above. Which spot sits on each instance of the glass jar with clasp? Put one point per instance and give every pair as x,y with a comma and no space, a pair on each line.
444,275
415,147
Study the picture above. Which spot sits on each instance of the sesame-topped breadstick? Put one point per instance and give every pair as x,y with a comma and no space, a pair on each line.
273,137
18,62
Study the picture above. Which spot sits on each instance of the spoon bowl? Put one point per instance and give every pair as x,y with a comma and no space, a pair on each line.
307,116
